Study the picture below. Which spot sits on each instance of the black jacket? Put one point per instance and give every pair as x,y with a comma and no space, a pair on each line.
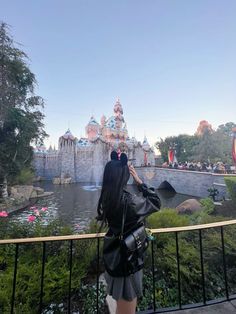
138,207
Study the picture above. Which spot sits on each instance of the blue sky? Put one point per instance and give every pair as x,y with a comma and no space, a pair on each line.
172,63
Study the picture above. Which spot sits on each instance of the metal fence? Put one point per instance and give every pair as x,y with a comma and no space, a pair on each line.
98,237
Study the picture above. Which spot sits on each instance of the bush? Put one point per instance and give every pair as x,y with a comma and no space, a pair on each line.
207,205
231,186
56,273
166,288
84,265
26,176
167,217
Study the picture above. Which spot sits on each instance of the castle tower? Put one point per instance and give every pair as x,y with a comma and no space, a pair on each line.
145,145
66,156
92,129
103,121
118,113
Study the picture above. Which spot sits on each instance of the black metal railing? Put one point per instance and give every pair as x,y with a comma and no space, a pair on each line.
97,237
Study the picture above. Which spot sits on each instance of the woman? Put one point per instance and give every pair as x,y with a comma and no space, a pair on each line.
125,290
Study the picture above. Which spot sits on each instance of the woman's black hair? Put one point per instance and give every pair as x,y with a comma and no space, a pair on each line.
115,177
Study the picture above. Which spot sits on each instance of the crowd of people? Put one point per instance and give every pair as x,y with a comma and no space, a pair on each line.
218,167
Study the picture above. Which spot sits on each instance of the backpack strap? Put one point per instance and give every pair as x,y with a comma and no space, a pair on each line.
124,212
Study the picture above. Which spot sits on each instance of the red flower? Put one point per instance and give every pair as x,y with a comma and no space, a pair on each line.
31,218
3,213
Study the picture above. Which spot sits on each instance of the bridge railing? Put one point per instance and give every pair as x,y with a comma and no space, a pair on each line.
232,170
176,231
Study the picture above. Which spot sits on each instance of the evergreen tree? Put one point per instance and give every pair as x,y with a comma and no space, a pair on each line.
21,117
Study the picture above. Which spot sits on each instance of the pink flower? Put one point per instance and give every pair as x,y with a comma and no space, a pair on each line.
36,211
3,213
44,209
31,218
33,207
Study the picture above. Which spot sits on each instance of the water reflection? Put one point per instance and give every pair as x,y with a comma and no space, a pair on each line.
76,204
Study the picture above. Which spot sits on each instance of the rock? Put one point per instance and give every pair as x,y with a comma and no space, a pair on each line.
56,181
13,192
33,194
21,191
61,180
189,206
66,181
45,194
25,192
39,190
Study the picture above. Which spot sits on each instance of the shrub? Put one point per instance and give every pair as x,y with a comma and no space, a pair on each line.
167,217
26,176
207,205
166,288
29,268
231,186
84,265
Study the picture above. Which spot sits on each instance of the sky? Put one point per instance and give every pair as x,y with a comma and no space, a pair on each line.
172,63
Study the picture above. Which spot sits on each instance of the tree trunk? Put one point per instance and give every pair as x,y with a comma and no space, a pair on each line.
3,188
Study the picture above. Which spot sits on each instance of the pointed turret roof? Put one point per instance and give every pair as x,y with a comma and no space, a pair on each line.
93,121
145,143
68,135
118,107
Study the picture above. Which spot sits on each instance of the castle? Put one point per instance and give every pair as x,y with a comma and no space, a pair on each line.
83,160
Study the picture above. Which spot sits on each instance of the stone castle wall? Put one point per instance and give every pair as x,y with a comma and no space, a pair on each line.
82,164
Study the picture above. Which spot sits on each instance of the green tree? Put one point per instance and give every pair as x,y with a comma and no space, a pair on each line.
21,117
183,144
226,128
211,146
215,146
207,148
224,136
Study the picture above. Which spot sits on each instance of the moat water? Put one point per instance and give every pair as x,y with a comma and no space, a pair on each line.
75,204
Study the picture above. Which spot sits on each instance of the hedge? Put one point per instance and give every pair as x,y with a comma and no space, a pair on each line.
231,186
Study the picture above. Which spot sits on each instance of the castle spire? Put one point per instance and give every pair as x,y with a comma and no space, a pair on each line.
118,113
118,108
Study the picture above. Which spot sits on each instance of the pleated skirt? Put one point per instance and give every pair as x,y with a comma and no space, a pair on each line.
126,288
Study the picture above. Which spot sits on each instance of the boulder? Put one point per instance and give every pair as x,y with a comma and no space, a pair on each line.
22,192
39,190
62,180
66,181
56,181
33,194
25,192
189,206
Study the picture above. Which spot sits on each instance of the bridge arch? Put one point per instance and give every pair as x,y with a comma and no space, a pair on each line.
165,185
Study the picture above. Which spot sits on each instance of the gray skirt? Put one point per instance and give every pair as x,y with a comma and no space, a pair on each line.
126,288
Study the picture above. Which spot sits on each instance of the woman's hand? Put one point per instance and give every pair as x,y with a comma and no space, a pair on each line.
135,175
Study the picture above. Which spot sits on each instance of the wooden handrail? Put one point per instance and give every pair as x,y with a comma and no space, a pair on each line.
101,235
194,227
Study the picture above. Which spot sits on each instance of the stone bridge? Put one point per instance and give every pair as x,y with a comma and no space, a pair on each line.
183,181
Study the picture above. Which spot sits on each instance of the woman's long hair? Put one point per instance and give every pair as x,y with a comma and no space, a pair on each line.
115,177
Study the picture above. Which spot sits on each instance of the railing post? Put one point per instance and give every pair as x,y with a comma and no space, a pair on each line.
14,278
42,278
98,249
153,278
202,268
224,262
178,269
70,273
